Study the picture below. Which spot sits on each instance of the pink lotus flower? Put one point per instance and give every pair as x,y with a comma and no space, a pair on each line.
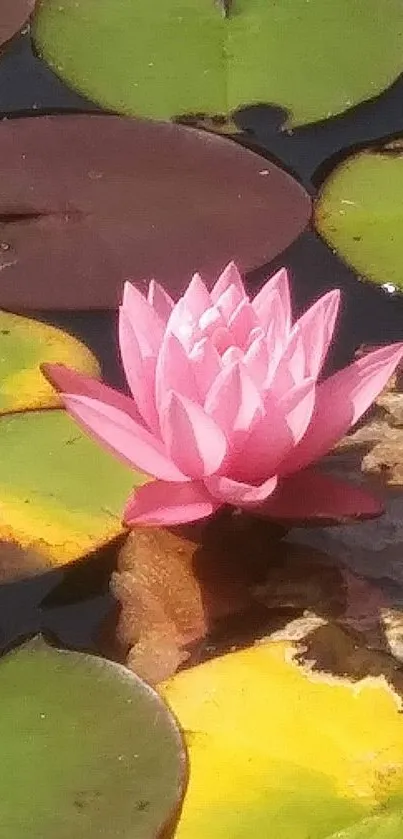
226,406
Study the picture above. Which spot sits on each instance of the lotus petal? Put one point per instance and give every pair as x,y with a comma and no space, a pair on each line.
229,276
139,370
160,504
66,380
174,371
340,401
193,440
206,365
234,403
311,494
275,291
119,433
160,300
146,323
240,494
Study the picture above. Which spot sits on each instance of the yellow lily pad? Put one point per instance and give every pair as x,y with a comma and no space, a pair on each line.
279,751
60,493
24,345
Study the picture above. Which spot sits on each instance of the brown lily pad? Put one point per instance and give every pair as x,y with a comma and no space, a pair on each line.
372,453
341,623
13,15
87,202
187,596
17,563
176,587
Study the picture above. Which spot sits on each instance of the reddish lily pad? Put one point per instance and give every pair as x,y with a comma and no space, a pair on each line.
89,201
13,15
24,345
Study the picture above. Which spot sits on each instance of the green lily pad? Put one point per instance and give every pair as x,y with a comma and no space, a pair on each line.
60,493
26,344
171,58
384,826
88,750
359,213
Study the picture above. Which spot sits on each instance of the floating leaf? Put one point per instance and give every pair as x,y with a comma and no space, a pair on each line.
384,826
14,13
17,563
373,452
60,494
185,595
88,750
95,200
360,213
174,587
277,750
161,60
24,345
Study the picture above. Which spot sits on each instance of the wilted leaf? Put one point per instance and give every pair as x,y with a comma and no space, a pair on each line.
372,453
60,494
24,345
176,586
13,15
87,202
278,751
161,60
87,750
360,213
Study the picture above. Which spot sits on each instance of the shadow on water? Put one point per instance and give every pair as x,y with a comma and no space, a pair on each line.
303,150
27,84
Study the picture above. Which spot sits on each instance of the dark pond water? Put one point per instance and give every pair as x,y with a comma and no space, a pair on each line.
369,315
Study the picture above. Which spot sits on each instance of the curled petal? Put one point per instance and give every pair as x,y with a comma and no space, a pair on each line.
160,300
230,276
193,440
239,494
340,401
163,504
118,432
273,301
144,320
139,370
65,380
234,403
313,495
